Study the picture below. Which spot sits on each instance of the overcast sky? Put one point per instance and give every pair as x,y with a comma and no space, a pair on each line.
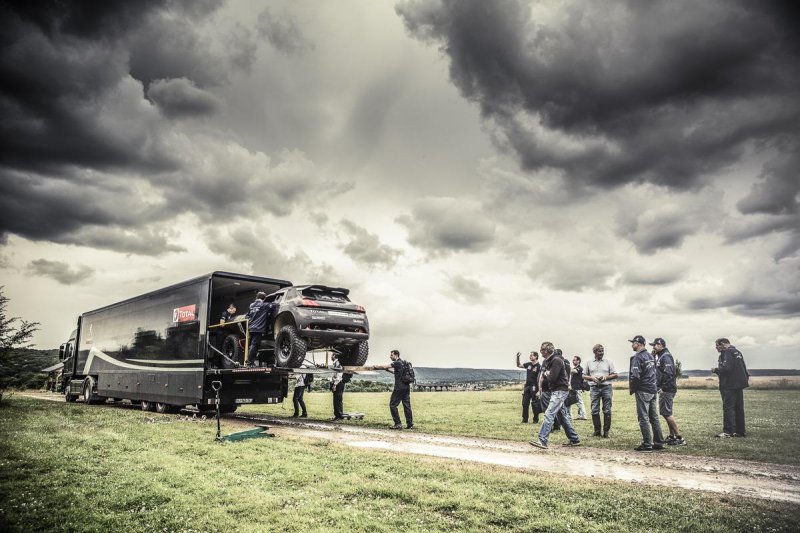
483,176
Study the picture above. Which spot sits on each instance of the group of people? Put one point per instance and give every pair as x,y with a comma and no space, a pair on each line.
401,393
553,385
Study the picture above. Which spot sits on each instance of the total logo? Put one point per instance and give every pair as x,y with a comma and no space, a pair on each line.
187,313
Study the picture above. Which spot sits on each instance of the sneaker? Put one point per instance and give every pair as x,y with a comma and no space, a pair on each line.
742,435
396,426
410,427
658,446
677,441
596,434
724,435
304,415
539,444
572,444
643,448
606,435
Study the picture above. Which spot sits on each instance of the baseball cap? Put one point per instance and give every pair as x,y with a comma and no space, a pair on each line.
660,341
637,338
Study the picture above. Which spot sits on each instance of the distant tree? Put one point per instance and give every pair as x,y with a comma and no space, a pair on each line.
15,333
678,369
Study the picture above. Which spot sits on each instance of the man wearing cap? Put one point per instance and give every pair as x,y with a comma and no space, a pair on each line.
599,372
259,317
642,383
733,379
666,383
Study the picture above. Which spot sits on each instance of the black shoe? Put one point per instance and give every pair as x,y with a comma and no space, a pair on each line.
596,433
396,426
605,435
524,421
536,420
643,448
658,446
295,415
573,444
677,441
335,418
410,427
304,415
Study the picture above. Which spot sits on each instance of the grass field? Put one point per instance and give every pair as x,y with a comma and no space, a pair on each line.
771,415
70,467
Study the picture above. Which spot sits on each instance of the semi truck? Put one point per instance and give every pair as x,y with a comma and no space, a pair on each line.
163,349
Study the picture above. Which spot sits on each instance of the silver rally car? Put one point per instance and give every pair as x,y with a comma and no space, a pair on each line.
310,317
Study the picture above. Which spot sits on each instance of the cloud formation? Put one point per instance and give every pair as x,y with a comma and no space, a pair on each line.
466,289
444,225
622,92
366,248
60,271
283,33
179,98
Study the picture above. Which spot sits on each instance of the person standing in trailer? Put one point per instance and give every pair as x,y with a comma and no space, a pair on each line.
259,315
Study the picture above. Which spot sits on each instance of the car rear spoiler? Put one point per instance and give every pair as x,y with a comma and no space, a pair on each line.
325,288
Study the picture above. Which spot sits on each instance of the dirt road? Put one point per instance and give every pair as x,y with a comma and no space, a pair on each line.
728,476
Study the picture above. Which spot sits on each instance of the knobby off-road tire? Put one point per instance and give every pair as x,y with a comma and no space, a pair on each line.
354,355
88,397
148,406
290,349
231,348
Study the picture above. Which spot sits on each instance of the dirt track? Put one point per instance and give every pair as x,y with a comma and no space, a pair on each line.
728,476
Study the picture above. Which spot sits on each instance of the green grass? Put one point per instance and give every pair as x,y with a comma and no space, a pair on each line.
772,417
82,468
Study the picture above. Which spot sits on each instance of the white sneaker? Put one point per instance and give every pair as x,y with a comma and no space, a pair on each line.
724,435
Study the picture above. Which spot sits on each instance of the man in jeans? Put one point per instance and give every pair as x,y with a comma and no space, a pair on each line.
599,372
642,383
576,384
555,385
260,314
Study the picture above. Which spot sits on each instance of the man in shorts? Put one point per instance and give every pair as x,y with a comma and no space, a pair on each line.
666,381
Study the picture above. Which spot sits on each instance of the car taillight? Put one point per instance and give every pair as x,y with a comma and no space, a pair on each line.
309,303
360,309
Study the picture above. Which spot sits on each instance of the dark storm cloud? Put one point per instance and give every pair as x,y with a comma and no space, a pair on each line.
466,289
60,271
283,33
366,248
444,225
750,294
617,92
181,98
774,202
87,159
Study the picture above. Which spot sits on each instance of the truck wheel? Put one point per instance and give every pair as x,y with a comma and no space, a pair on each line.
69,398
354,355
147,406
232,350
88,397
227,409
290,349
165,408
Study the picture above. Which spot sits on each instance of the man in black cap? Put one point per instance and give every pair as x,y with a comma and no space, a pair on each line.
733,379
666,382
642,383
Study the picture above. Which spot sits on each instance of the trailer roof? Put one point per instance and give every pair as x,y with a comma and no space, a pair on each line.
215,274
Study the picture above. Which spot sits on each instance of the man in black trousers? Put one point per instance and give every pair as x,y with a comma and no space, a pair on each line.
733,379
532,368
400,393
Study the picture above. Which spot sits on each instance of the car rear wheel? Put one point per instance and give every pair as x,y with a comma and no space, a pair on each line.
354,355
232,350
290,349
147,406
165,408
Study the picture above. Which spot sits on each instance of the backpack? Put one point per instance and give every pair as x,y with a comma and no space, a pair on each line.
307,379
407,375
346,377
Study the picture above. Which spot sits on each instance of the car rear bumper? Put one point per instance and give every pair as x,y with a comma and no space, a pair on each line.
333,336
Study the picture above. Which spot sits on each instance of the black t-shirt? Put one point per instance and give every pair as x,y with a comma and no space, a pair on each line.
576,379
532,373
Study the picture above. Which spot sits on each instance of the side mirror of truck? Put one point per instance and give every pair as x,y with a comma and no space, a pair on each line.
61,351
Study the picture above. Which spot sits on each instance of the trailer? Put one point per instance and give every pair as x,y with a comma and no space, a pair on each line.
163,349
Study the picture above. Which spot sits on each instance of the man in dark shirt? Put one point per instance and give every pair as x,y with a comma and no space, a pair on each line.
228,314
642,383
259,315
532,369
667,386
733,379
576,384
555,376
400,393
